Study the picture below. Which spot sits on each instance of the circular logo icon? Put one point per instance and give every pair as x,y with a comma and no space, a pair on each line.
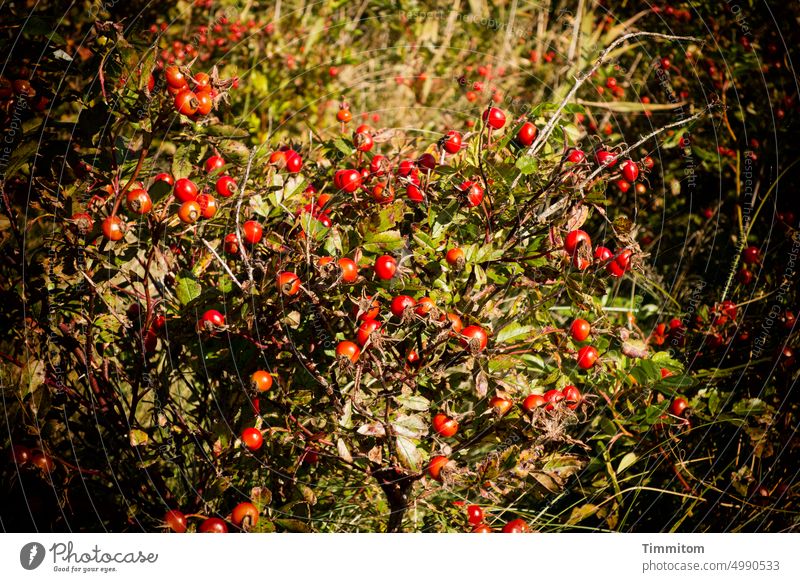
31,555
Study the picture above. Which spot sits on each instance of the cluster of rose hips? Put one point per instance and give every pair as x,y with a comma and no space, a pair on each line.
446,426
194,203
611,84
409,173
547,57
208,41
473,338
681,15
751,257
481,84
244,516
376,179
629,171
477,521
23,456
578,246
194,94
18,86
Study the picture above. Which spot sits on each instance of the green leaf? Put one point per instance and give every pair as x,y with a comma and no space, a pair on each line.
514,331
628,460
146,69
23,154
573,108
384,241
646,372
411,426
505,362
423,240
678,382
187,288
713,402
409,454
384,220
183,161
414,402
225,284
750,406
665,360
343,146
527,165
158,190
33,376
234,151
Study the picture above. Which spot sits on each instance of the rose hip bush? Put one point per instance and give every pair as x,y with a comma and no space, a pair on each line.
242,296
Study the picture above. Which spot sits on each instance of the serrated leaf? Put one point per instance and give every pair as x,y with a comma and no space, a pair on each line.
183,161
384,241
412,426
514,331
646,372
384,219
187,288
343,146
414,402
665,360
234,151
505,362
408,453
423,240
527,165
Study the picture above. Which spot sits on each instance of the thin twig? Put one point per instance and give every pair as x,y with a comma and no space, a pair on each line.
649,136
221,262
576,32
242,188
549,127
